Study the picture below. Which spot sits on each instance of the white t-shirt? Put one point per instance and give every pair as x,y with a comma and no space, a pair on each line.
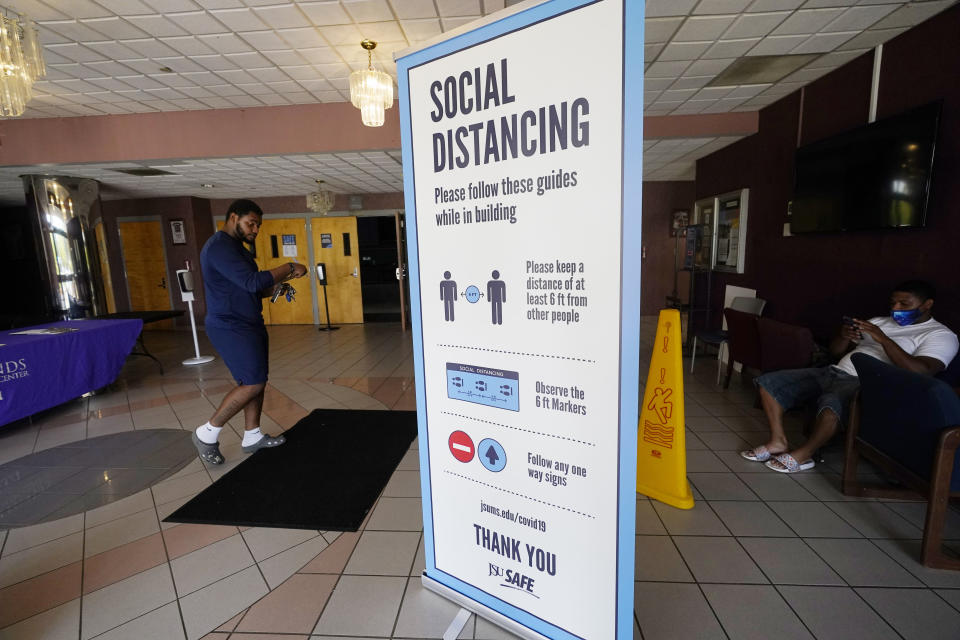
930,339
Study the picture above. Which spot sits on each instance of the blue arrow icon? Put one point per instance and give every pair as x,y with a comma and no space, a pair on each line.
493,458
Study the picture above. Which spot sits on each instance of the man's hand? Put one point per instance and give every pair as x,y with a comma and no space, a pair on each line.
298,270
850,332
869,329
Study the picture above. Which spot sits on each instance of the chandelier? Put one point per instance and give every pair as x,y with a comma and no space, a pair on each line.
320,201
371,91
21,63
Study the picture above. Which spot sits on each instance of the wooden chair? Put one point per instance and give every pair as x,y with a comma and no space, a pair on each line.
907,424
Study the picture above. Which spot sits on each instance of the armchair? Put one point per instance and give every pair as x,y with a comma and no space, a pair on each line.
907,424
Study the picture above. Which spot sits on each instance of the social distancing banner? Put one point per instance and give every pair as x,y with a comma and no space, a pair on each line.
661,439
522,156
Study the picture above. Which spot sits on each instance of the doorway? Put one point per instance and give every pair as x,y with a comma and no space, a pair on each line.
145,265
379,262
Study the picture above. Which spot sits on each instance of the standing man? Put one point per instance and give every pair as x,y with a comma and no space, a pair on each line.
234,323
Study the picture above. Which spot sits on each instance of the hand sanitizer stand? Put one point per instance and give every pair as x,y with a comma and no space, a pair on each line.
185,280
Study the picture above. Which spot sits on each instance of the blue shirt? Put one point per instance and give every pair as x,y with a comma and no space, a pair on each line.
232,283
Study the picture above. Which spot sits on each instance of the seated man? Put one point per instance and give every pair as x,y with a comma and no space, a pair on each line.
909,338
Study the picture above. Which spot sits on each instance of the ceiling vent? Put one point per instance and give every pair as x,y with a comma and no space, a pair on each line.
761,69
145,171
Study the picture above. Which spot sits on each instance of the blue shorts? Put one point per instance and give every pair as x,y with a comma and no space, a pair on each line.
244,351
830,387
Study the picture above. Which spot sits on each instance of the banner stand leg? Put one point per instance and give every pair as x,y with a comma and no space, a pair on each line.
457,624
484,612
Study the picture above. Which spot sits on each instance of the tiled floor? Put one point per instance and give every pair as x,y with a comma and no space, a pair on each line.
762,555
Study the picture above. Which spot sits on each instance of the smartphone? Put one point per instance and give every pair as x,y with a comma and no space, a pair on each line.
847,320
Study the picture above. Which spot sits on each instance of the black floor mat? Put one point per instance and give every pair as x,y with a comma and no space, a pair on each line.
326,476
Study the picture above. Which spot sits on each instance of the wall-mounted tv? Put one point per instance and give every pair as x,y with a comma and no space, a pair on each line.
873,177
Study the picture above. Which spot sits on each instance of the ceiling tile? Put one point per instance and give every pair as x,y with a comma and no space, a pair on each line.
690,82
817,4
156,26
776,45
126,7
284,58
165,6
302,38
458,8
148,48
214,63
449,24
721,6
913,13
342,35
806,21
112,50
75,52
755,25
871,38
108,68
197,22
368,10
823,42
731,48
226,43
187,45
651,51
707,67
240,19
271,75
684,50
421,30
179,64
660,8
703,28
748,90
774,5
859,18
666,69
285,16
115,28
660,29
381,32
413,9
319,55
219,4
72,30
264,40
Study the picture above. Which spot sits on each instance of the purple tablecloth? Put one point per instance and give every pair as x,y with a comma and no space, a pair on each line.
41,371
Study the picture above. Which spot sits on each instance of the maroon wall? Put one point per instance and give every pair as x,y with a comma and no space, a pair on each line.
814,279
660,200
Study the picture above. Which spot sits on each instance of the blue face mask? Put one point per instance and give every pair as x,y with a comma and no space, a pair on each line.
903,318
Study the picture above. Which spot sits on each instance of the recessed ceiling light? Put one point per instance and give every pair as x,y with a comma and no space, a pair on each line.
207,185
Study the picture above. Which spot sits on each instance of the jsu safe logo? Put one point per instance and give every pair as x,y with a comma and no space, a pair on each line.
513,579
13,370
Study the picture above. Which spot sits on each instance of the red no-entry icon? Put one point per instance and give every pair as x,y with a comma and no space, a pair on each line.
461,446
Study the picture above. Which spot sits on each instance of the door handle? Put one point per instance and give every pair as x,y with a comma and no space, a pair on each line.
355,274
163,282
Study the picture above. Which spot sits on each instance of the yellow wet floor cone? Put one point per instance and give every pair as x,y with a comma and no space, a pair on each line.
661,440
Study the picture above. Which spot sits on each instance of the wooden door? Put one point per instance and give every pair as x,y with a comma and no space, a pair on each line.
145,264
101,235
283,240
335,244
